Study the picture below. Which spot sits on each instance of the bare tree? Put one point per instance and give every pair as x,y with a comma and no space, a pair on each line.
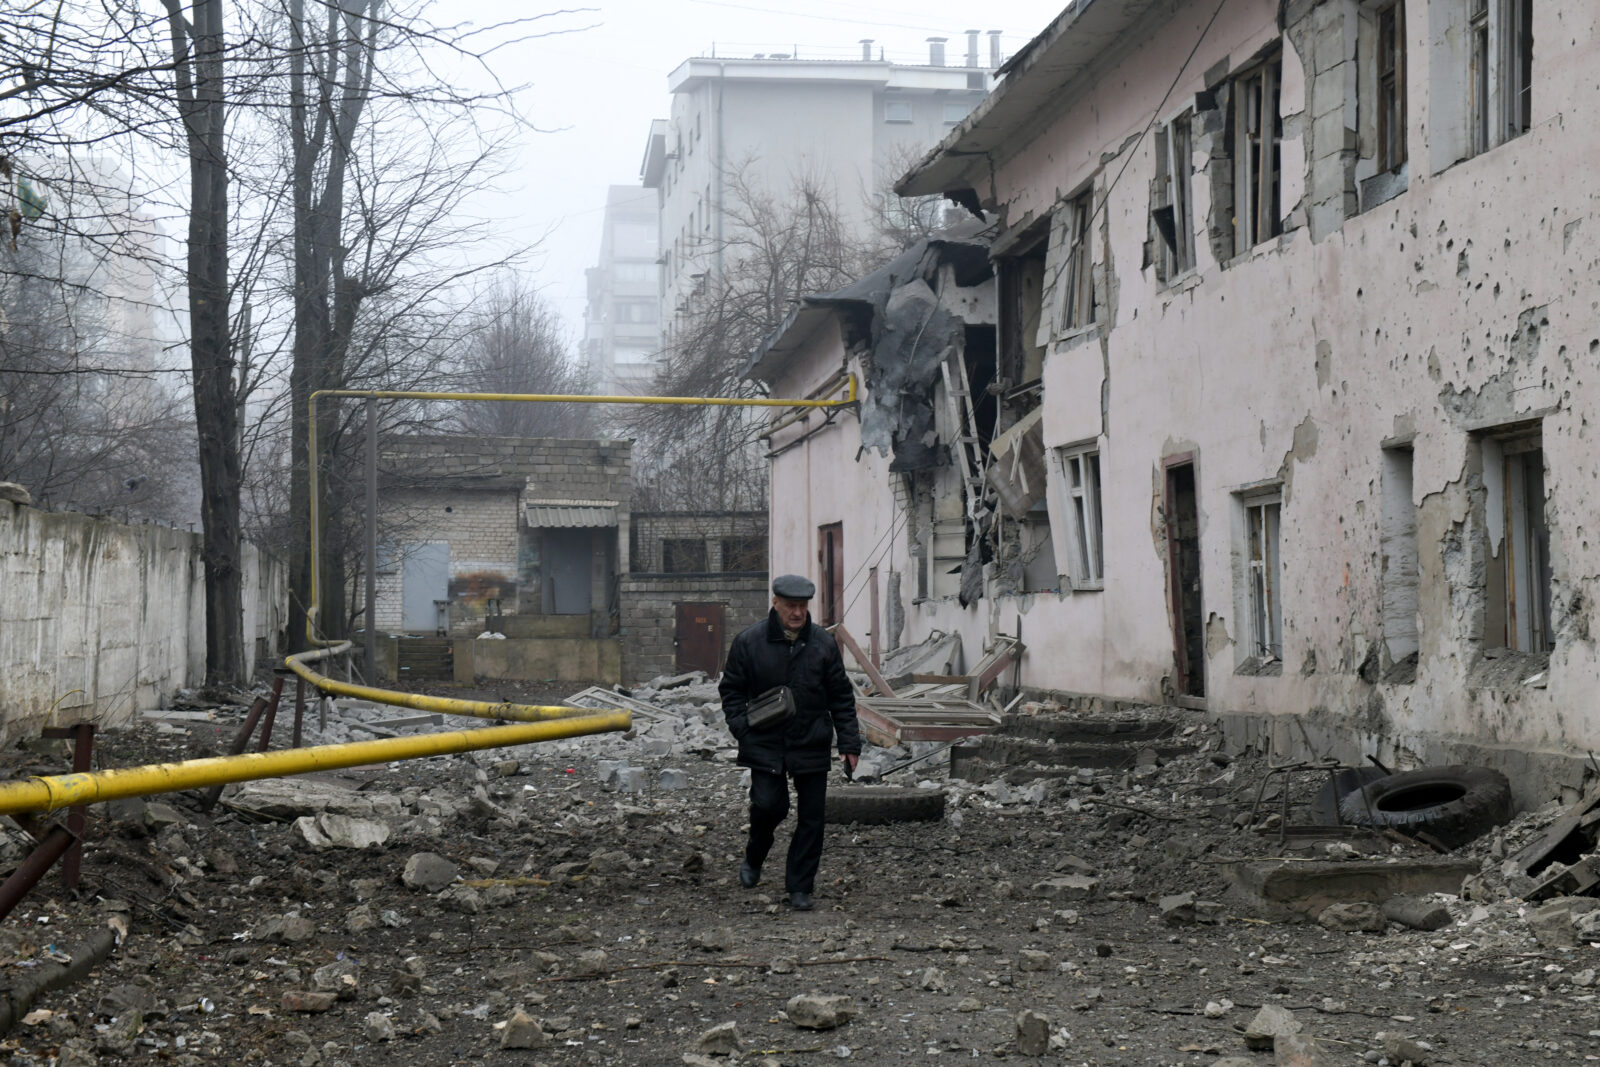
781,245
515,346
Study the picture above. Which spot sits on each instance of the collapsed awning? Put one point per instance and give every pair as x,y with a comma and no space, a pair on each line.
547,514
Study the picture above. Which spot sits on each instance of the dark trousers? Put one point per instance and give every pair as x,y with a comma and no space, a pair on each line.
769,805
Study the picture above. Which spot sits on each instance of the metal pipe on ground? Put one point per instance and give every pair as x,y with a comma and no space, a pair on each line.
479,709
63,791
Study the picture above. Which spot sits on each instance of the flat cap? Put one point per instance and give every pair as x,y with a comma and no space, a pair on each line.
793,587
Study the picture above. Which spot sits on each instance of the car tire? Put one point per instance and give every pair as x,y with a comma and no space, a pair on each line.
1452,805
878,804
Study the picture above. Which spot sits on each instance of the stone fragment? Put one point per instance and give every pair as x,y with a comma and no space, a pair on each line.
505,768
654,746
284,930
720,1040
624,780
523,1031
129,996
359,919
819,1011
378,1026
302,1000
1033,960
932,980
341,978
784,964
483,865
159,816
1400,1049
1553,924
1416,913
1271,1022
672,779
970,1004
718,940
1067,887
221,862
462,899
1296,1050
1033,1034
343,831
592,962
1178,909
1235,1061
428,871
1356,916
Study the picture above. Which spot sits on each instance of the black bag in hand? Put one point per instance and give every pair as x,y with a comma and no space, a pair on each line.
771,709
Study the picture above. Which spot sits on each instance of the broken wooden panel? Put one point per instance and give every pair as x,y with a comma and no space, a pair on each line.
889,722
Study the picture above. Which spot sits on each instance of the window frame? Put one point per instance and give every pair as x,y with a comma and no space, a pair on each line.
670,546
1085,527
1390,72
1263,560
1175,183
1499,84
893,108
1257,162
1077,309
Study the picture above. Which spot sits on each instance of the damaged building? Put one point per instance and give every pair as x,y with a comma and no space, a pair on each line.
1256,385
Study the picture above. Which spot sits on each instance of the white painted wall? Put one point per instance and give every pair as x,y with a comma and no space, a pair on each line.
99,620
1297,361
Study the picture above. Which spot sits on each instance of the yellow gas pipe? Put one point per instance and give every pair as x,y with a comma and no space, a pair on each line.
481,709
67,790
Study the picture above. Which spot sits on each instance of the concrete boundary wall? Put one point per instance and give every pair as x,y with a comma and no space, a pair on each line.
115,611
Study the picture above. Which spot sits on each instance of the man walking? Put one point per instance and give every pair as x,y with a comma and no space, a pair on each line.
788,649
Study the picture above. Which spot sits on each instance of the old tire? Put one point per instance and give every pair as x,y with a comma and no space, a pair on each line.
1452,805
883,804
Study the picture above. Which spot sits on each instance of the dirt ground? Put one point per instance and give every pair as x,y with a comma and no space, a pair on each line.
615,922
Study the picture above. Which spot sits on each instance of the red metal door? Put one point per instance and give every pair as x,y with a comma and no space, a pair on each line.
698,638
830,574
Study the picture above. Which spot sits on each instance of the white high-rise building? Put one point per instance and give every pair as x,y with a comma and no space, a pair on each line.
850,127
622,333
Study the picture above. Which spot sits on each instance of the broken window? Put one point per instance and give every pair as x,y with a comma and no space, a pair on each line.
1254,139
1262,515
744,553
1518,572
1390,70
1077,279
1020,280
1080,468
683,555
1173,215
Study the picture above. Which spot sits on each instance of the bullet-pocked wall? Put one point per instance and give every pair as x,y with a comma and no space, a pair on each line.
1317,355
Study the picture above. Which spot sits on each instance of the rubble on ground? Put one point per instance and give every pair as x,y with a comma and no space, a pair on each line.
445,909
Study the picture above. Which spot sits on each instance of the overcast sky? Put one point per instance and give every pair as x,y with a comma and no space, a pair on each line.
598,88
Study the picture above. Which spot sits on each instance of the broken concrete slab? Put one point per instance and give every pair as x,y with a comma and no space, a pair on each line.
1416,913
341,831
1284,889
1361,916
819,1011
289,798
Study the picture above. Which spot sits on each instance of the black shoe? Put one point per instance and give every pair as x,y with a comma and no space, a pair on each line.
800,901
748,875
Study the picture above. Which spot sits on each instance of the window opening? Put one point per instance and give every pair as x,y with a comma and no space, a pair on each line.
1174,214
1081,468
1391,87
744,553
1400,573
1077,299
1257,135
1262,518
683,555
1518,607
1021,288
830,572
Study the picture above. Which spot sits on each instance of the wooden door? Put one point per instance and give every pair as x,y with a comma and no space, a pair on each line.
698,638
830,574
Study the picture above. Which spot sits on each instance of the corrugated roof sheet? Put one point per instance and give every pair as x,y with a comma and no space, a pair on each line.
547,514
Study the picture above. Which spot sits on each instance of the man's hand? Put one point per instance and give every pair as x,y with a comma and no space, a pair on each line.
849,759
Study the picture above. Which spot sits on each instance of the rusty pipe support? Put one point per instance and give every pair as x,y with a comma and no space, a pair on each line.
40,860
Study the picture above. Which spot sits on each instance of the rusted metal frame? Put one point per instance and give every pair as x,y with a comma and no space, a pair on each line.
81,734
52,847
299,708
863,661
241,740
272,712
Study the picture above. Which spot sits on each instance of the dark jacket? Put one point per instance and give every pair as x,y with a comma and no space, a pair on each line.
825,701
